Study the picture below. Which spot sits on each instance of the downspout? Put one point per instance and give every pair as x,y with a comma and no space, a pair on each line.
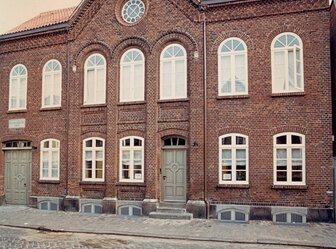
67,118
205,151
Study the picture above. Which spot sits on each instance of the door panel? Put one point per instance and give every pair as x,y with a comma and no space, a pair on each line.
17,176
174,175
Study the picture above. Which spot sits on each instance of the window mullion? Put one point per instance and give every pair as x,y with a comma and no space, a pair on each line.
234,163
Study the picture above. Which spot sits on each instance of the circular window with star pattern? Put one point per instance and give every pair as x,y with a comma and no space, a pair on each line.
132,11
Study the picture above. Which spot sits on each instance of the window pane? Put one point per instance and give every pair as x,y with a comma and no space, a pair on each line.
57,89
226,154
226,141
138,82
281,153
47,90
166,80
88,155
88,143
100,94
46,144
23,93
281,140
180,89
241,154
240,140
99,143
225,84
240,77
279,83
296,139
126,83
281,176
137,142
90,86
291,65
99,155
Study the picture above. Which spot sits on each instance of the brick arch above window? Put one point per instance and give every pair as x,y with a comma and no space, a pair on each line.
88,49
129,43
131,133
286,29
173,133
289,128
91,134
229,34
182,38
236,130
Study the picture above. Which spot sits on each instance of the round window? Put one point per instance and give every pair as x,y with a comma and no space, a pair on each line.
133,10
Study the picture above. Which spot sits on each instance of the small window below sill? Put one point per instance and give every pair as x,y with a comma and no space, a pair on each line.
288,94
246,186
127,103
17,111
44,109
172,100
93,106
49,181
293,187
243,96
139,184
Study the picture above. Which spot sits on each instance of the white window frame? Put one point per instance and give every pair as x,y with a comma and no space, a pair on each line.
232,55
173,61
285,50
93,149
132,64
131,148
289,146
52,74
19,77
233,147
95,68
50,151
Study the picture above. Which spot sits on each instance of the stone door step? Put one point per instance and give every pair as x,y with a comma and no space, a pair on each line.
174,216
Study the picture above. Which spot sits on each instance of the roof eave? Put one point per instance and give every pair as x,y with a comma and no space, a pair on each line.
34,32
214,3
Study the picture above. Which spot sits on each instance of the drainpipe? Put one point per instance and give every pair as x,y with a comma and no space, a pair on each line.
67,118
334,191
205,116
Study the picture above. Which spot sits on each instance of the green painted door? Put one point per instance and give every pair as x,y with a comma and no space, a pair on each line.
17,176
174,175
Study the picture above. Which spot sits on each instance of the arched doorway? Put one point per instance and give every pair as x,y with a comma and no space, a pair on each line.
174,164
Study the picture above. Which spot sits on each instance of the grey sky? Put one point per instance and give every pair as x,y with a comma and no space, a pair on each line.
15,12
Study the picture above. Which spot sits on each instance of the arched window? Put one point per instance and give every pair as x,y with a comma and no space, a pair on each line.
50,159
287,63
132,76
233,159
232,67
95,80
173,80
132,159
18,88
289,159
93,159
52,84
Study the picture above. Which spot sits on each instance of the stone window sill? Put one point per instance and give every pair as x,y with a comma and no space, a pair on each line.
290,187
288,94
49,181
44,109
243,96
173,100
129,103
137,184
243,186
17,111
93,106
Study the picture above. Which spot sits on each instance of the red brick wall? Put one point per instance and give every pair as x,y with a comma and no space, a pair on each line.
260,115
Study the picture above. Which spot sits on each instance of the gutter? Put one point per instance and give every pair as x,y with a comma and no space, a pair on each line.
34,32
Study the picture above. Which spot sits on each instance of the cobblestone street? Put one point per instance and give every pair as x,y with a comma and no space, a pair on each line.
14,238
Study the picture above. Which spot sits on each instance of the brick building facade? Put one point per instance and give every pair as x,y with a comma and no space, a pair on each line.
224,106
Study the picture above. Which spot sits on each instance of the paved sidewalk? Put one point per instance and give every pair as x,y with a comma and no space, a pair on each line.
257,232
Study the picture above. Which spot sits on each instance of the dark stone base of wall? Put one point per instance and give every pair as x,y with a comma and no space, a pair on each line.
148,206
71,204
2,200
109,205
320,215
32,202
197,208
266,213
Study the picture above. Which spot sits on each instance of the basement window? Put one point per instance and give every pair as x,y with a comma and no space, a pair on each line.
92,208
48,206
289,218
130,211
233,215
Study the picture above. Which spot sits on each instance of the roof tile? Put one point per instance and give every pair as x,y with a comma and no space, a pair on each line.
44,19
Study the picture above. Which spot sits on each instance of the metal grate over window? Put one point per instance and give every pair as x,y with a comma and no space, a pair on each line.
48,206
233,216
92,208
289,218
130,211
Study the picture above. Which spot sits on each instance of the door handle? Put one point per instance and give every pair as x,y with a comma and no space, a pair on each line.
25,184
164,177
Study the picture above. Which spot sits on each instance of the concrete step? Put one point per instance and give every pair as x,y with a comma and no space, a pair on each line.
174,216
171,210
172,204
